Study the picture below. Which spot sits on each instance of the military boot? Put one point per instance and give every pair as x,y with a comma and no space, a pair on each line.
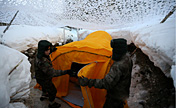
54,105
44,96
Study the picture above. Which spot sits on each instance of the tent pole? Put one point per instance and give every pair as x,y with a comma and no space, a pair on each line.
169,14
64,35
1,37
10,22
88,97
77,34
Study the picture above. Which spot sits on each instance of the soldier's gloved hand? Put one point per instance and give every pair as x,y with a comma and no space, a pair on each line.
72,73
91,82
83,81
68,72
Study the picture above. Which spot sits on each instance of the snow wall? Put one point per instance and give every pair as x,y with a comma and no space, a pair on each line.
15,76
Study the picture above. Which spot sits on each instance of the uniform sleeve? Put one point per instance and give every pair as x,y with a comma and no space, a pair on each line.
110,80
50,71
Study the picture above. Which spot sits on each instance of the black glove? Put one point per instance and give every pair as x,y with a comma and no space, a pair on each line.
83,81
91,82
68,72
72,73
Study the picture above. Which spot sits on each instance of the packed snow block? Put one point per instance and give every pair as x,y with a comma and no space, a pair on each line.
84,33
15,75
23,37
117,33
158,42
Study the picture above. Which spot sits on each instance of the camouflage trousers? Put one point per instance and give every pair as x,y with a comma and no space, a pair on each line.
48,87
113,103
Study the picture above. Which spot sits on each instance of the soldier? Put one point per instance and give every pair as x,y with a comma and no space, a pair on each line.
117,81
44,73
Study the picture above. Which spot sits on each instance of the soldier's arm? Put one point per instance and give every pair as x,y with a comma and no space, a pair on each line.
59,72
51,72
110,80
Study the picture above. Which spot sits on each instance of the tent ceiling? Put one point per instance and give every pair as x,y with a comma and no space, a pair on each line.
85,13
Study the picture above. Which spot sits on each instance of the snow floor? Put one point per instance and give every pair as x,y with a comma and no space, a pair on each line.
34,99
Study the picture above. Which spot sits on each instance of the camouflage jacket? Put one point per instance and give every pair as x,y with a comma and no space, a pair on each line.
44,69
117,81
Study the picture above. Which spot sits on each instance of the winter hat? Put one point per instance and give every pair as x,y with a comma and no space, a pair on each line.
119,48
43,46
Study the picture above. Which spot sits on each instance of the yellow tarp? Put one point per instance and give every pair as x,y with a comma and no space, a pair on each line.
94,50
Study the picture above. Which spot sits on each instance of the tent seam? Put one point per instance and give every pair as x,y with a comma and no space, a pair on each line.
79,51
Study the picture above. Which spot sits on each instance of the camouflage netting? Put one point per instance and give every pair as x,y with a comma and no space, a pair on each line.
102,14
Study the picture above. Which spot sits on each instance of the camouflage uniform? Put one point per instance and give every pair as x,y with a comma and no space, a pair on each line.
44,73
116,82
